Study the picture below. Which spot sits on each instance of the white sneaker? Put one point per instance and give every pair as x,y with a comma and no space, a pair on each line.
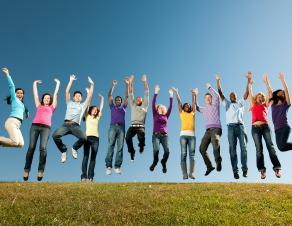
63,157
108,171
118,170
74,153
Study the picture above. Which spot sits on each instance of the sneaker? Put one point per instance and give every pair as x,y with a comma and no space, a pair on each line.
40,175
118,170
63,157
132,154
244,173
236,176
83,180
164,169
219,166
209,171
91,180
278,173
108,171
152,167
191,176
263,174
74,153
25,175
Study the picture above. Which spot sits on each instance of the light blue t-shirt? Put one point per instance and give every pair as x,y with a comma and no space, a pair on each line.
17,107
234,111
75,111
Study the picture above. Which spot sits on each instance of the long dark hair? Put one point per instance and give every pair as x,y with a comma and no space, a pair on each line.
275,98
190,107
90,110
43,96
8,101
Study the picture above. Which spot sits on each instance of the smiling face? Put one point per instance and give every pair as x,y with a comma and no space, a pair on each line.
47,100
77,97
94,111
161,109
260,98
19,94
208,99
139,101
118,101
186,107
281,95
233,97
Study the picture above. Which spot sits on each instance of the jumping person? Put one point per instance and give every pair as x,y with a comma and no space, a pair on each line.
74,112
187,133
280,104
117,129
160,118
18,111
92,117
211,113
261,129
234,119
41,127
138,117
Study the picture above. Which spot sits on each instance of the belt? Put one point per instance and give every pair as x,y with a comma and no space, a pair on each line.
160,133
16,118
71,122
137,125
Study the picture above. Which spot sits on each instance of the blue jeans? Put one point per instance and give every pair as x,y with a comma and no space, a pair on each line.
116,134
282,136
157,139
236,131
259,132
187,141
69,128
91,143
37,131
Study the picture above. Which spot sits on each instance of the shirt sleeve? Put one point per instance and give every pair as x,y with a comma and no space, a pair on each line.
11,88
52,108
146,99
131,100
170,107
154,103
215,94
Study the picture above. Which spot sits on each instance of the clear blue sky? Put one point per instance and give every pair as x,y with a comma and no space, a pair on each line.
177,43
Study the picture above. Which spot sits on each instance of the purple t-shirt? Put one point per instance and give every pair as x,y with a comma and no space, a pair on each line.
279,115
118,114
160,121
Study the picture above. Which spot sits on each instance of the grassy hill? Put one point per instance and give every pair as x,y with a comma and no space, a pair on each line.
145,204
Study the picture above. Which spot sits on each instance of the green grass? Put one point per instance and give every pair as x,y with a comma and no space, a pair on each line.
145,204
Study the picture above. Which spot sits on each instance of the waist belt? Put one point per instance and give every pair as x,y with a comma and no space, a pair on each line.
137,125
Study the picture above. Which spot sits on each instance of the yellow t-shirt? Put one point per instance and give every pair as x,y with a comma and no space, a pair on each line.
187,121
91,126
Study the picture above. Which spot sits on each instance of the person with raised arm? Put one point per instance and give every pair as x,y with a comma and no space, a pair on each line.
74,113
211,114
117,128
18,112
261,129
40,128
280,103
92,118
139,109
234,119
187,133
160,136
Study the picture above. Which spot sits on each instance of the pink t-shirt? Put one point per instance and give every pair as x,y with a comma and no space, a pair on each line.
44,115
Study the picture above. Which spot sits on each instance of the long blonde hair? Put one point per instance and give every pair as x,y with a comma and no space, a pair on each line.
259,94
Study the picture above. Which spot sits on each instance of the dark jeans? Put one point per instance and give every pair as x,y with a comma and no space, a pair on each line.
116,134
35,132
282,136
211,136
236,131
69,128
157,139
187,141
91,142
132,131
259,132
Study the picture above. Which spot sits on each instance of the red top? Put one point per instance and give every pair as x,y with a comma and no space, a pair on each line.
259,113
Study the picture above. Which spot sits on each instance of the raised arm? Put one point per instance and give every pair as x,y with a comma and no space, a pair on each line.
72,78
218,82
286,90
198,108
11,85
154,98
249,80
179,103
56,92
110,93
194,99
170,102
35,92
90,92
131,90
127,91
268,86
146,89
251,101
213,92
101,105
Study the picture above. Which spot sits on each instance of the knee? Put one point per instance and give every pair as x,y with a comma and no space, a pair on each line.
20,144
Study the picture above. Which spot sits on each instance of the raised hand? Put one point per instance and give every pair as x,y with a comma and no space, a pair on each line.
281,76
73,77
157,88
131,78
101,96
208,85
170,91
217,77
174,89
87,90
195,91
127,81
265,77
114,82
90,80
38,81
57,81
5,71
144,78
